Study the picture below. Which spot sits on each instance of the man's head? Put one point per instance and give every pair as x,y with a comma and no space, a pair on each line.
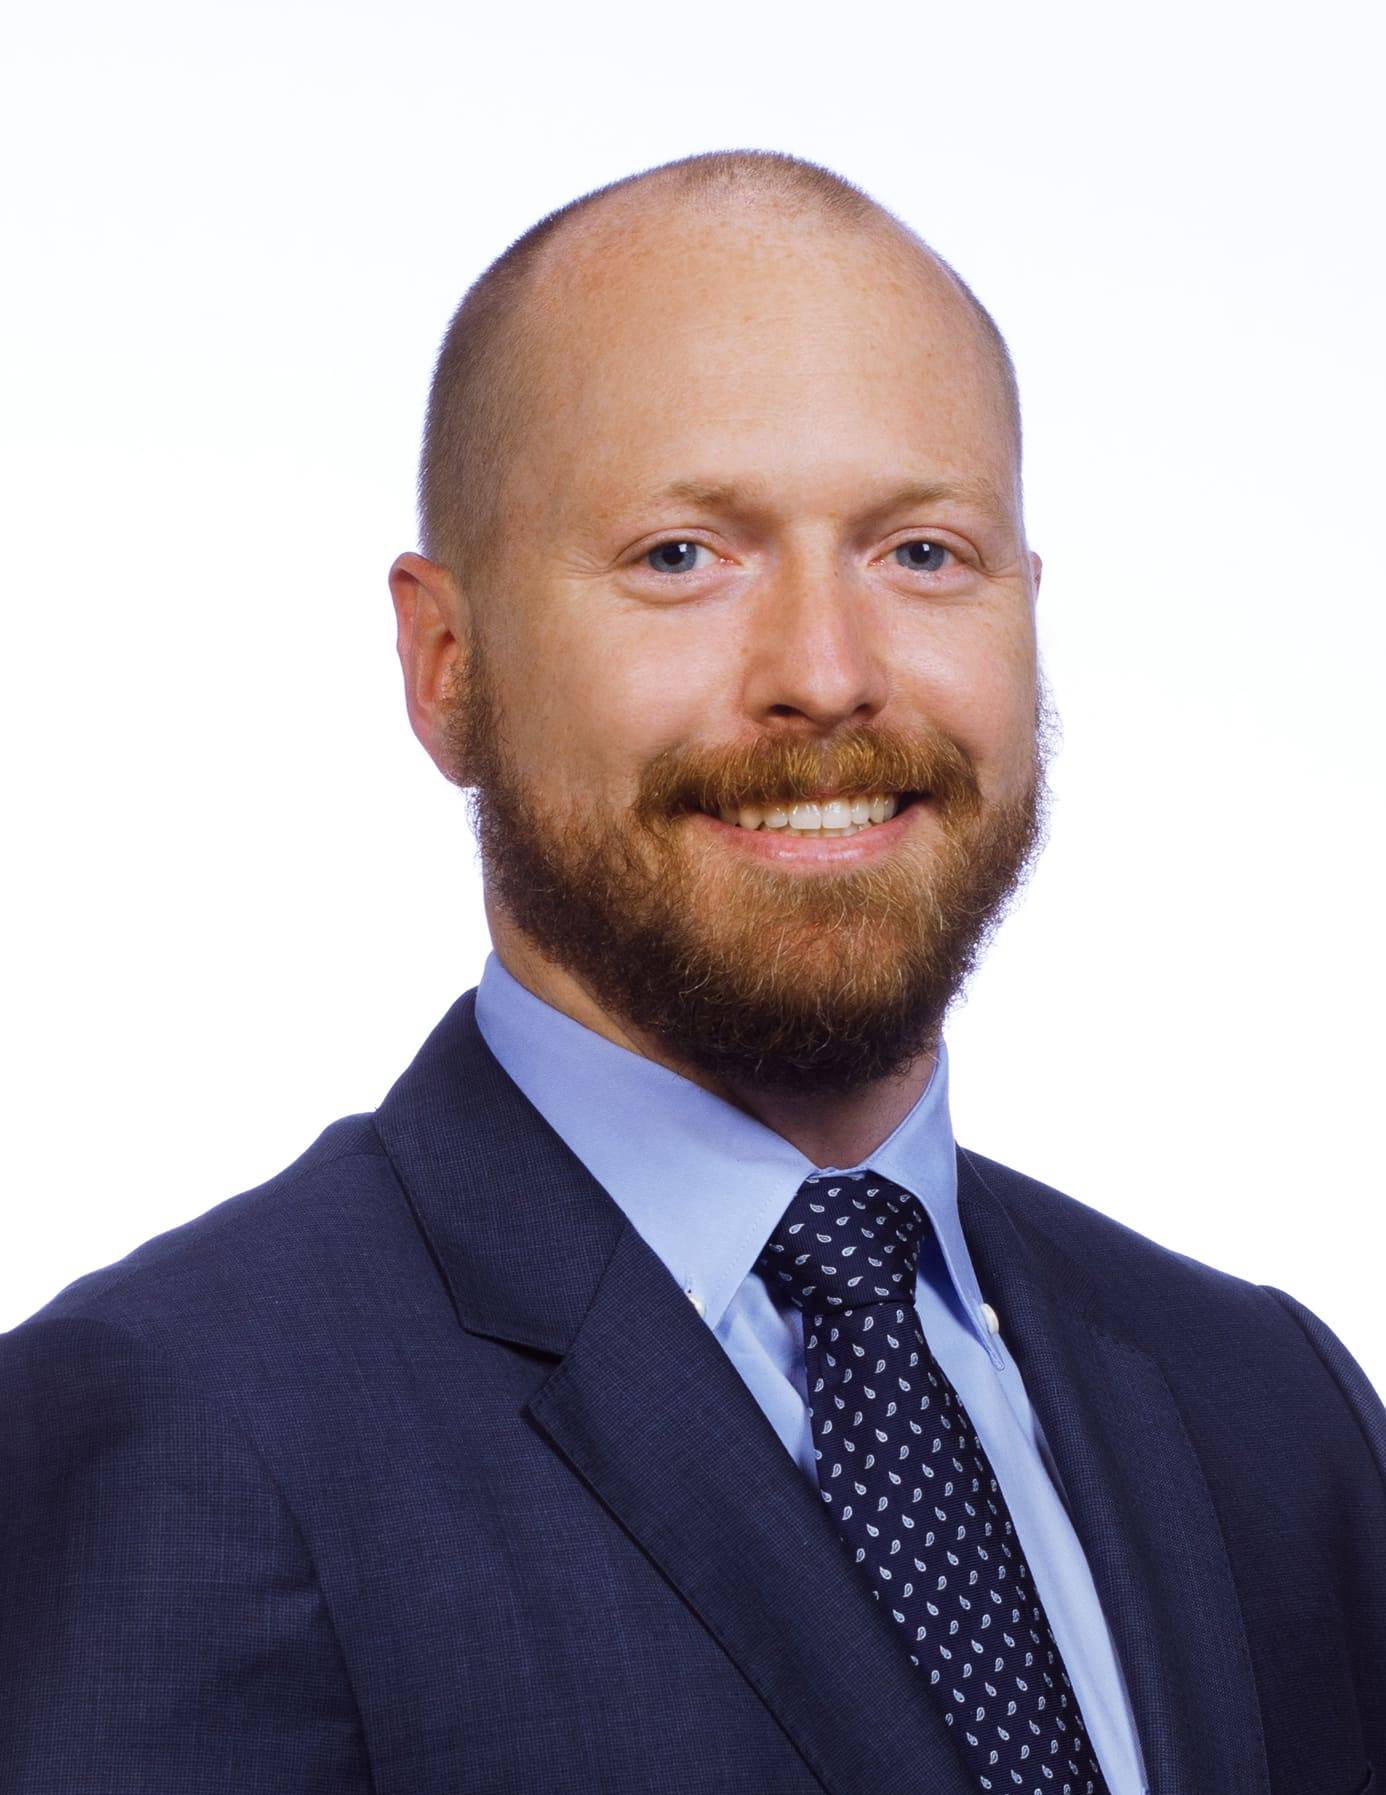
722,511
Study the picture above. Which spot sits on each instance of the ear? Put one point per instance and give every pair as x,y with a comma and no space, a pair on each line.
1036,569
432,620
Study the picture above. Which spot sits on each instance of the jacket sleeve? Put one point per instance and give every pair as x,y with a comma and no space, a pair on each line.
1349,1376
161,1626
1368,1643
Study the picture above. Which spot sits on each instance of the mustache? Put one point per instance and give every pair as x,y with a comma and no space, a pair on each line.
771,769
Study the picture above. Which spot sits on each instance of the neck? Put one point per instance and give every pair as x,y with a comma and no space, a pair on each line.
839,1129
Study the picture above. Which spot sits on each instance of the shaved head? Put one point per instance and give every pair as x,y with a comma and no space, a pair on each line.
488,392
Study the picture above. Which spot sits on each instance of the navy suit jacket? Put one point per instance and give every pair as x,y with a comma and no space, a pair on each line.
413,1471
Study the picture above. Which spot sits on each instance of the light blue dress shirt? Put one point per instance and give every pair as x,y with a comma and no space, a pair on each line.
704,1184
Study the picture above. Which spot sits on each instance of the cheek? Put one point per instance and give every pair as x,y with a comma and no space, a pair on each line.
978,685
588,708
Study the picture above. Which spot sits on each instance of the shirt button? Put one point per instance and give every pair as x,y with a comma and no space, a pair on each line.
992,1319
696,1301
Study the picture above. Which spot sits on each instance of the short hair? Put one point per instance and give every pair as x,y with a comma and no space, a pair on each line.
478,402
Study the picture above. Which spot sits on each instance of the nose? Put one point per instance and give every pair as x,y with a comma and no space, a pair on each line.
815,663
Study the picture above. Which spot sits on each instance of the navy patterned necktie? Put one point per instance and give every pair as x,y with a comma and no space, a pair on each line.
913,1493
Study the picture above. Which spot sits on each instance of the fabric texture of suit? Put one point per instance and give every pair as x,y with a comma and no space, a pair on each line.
413,1471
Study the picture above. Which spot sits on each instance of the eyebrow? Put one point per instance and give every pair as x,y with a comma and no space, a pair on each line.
728,496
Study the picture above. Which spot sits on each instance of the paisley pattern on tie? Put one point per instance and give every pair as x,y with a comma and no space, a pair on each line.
913,1493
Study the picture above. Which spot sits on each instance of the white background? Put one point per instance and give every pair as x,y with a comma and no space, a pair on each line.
239,894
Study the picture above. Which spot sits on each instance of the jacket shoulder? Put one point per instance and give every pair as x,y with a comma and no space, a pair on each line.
1096,1242
160,1595
1192,1315
253,1260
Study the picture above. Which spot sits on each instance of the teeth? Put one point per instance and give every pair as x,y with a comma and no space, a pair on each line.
832,816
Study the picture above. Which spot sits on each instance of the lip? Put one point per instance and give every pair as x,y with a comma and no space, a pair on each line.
782,849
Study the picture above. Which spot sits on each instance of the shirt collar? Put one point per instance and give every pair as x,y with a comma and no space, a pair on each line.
701,1181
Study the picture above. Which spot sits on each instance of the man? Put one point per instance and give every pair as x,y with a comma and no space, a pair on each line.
649,1395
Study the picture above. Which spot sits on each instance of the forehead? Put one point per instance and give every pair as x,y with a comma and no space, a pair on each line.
759,344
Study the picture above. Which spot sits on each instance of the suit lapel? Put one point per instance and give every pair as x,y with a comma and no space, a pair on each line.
650,1412
656,1419
1137,1498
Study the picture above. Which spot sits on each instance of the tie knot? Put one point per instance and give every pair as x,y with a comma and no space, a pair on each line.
846,1241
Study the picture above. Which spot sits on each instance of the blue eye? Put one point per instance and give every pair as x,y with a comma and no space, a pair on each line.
670,553
931,561
680,556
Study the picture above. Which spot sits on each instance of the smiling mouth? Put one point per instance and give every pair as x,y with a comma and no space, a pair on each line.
821,817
